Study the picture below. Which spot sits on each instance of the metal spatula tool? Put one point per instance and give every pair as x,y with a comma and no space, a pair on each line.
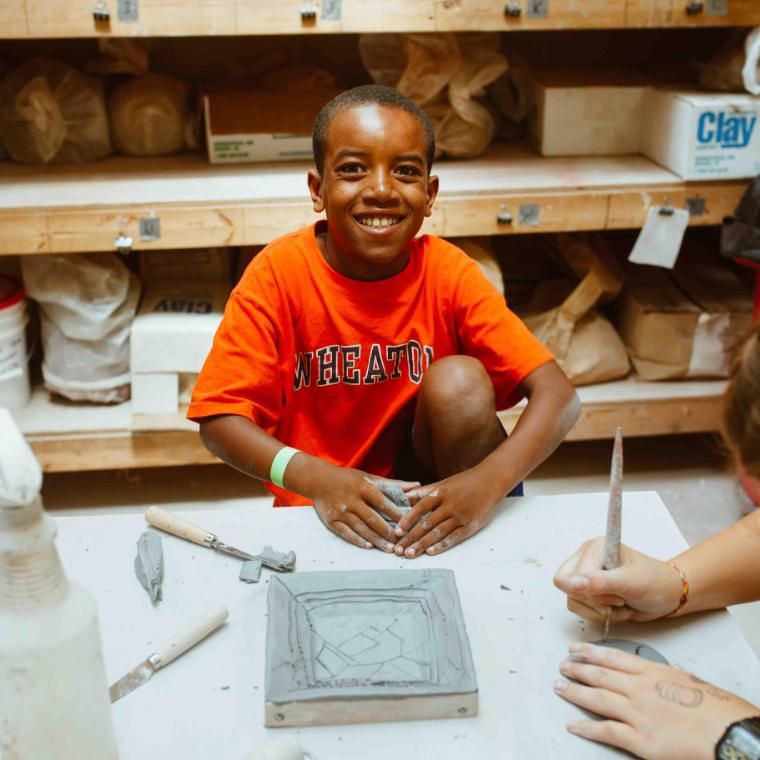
178,526
183,640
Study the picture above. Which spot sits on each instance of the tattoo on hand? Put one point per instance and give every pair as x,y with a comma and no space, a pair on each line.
685,696
713,691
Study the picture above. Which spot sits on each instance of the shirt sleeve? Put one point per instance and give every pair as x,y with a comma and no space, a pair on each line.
495,335
241,374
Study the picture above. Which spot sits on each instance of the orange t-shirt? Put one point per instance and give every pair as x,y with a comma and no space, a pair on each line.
332,365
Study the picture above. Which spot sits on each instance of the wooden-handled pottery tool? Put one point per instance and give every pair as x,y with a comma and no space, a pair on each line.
188,637
614,514
178,526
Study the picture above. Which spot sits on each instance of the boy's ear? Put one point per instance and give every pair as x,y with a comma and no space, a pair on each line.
315,189
432,192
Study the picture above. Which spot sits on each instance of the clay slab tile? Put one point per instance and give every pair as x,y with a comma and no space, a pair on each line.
367,646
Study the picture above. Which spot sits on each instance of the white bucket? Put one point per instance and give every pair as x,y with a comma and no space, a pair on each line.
14,367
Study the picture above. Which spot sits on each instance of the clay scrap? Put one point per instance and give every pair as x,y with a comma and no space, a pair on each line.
250,571
367,646
283,561
149,564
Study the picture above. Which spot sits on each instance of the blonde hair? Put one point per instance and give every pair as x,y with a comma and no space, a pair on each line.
741,407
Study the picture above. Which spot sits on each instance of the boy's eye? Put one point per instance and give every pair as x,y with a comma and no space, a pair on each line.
408,170
350,168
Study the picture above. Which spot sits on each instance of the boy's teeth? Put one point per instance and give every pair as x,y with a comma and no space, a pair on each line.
377,221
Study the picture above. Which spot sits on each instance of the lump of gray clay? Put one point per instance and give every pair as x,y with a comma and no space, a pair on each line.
285,562
149,564
250,571
397,496
633,647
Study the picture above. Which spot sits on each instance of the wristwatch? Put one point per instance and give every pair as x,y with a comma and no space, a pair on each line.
741,741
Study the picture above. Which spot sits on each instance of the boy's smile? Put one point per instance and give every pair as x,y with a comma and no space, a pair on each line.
374,188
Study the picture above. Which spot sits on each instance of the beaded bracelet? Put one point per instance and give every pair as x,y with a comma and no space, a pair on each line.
684,589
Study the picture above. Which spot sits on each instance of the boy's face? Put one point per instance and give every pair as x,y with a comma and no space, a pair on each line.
374,189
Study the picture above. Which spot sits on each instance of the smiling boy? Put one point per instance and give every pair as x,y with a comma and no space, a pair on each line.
352,352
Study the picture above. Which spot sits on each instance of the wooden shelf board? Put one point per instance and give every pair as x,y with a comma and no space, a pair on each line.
70,437
642,408
73,18
64,209
189,179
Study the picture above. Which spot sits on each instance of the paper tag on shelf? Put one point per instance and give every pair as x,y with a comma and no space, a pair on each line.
660,238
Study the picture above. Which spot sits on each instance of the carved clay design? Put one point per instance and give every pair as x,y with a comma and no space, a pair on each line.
392,633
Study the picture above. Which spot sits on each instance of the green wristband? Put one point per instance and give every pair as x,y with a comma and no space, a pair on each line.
279,463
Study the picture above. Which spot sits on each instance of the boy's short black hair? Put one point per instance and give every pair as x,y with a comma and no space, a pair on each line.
361,96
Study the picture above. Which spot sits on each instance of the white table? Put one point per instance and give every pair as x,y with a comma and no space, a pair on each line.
210,702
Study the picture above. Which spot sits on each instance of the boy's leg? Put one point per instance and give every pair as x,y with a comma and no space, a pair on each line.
455,422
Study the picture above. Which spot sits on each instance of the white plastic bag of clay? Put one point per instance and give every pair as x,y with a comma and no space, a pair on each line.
87,303
751,68
49,112
152,115
736,65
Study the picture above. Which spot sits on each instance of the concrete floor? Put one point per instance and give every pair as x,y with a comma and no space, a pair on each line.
689,472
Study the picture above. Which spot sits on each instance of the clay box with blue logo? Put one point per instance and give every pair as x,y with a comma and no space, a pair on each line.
702,135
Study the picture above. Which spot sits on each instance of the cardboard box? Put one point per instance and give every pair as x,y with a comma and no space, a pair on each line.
702,135
175,326
684,323
581,112
261,125
195,264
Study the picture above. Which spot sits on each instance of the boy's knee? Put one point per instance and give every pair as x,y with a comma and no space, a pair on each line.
458,380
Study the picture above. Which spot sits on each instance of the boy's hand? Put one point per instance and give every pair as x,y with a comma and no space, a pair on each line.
651,710
641,589
445,514
348,502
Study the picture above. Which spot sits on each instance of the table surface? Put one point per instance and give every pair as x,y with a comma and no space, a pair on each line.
210,702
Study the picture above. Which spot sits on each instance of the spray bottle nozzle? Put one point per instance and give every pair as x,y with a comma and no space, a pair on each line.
20,476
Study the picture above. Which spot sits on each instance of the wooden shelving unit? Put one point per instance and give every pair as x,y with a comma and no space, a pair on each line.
67,209
70,437
154,18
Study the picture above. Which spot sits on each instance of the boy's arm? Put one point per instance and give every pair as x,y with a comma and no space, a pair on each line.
465,502
722,570
346,500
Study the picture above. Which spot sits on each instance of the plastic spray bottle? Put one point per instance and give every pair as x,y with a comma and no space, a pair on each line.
54,699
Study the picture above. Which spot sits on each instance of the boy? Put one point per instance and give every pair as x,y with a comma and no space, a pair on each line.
371,354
